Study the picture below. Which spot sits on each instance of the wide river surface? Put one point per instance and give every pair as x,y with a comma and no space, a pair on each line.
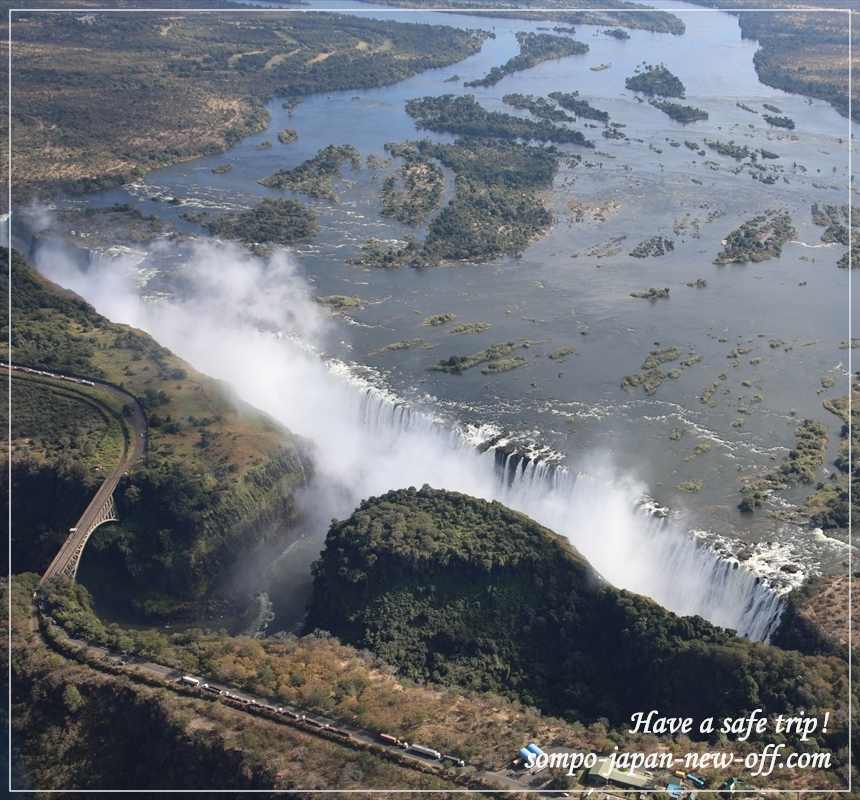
572,287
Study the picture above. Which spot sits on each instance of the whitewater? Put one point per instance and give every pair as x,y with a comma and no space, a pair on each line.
253,323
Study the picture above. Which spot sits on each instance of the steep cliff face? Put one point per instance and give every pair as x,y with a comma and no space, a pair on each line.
460,591
218,477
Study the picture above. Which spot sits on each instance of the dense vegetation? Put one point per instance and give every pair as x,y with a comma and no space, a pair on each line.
316,176
803,52
464,116
655,79
217,480
538,107
463,592
680,112
86,722
582,108
828,506
270,222
535,48
415,190
757,239
496,208
98,103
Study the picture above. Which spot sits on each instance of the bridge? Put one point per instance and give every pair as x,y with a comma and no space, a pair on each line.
101,509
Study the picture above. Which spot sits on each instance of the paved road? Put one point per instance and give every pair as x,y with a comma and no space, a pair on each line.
135,427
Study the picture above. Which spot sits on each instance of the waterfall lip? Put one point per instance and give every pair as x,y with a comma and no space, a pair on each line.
681,571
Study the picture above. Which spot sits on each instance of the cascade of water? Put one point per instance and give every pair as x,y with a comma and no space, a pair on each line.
625,541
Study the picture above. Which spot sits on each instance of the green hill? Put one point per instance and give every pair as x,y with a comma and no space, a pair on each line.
469,593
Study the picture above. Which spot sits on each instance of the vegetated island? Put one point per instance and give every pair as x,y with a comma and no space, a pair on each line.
582,108
651,375
538,107
444,587
497,358
316,176
654,247
758,239
288,136
496,209
655,80
801,465
779,122
617,33
828,505
679,112
410,195
535,48
652,294
834,220
380,254
273,221
736,151
463,115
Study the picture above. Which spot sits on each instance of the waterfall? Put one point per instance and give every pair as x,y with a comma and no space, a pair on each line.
630,544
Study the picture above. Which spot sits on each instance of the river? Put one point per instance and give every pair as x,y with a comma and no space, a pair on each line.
571,288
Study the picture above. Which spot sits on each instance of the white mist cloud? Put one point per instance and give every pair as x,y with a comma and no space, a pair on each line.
253,323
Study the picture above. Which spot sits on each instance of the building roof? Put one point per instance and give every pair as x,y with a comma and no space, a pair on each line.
604,769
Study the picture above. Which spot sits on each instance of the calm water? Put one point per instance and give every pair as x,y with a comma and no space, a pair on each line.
561,293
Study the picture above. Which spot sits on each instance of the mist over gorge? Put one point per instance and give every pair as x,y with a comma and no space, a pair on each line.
253,323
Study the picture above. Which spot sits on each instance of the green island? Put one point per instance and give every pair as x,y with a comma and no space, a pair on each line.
779,122
415,190
828,505
500,357
379,254
538,107
736,151
436,320
801,465
316,176
278,221
535,48
617,33
221,169
680,112
404,344
652,294
445,588
582,108
464,116
562,353
470,328
655,79
654,247
834,220
496,208
288,136
758,239
651,375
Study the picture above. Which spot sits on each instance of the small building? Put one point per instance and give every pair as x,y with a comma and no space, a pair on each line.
604,772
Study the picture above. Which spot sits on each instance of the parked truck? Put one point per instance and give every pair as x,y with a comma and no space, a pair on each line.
428,752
